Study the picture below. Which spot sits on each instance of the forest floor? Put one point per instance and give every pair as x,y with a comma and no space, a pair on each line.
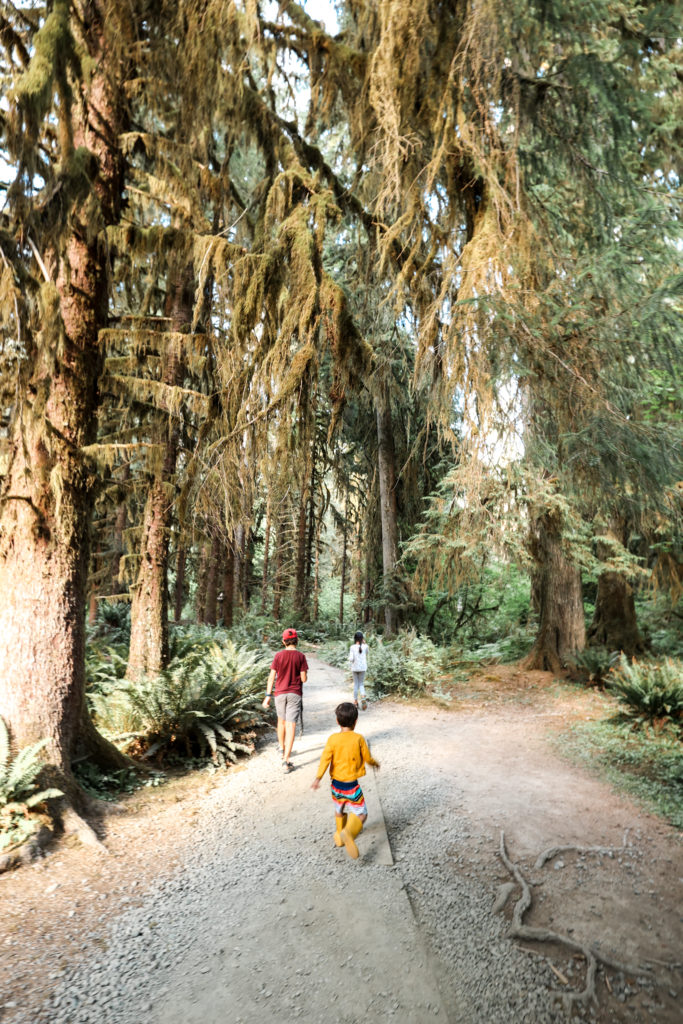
222,897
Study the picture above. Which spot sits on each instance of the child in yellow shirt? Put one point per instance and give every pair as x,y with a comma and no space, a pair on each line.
346,754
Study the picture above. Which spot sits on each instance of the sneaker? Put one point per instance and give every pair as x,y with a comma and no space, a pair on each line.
364,704
287,766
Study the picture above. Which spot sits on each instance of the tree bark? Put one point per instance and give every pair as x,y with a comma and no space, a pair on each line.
342,587
179,596
279,586
120,524
211,607
92,608
388,507
148,653
46,496
614,621
202,580
562,630
266,559
229,584
359,569
239,561
300,572
247,568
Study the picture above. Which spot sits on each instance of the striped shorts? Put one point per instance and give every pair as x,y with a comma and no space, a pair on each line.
348,798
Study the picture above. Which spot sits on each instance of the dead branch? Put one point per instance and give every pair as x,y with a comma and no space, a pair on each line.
592,956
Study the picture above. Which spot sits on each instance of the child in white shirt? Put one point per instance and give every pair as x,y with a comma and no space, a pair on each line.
358,657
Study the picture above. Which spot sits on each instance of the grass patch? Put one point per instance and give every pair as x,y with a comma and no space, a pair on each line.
647,767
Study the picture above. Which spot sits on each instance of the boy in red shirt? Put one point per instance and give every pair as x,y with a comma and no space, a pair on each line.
346,754
288,671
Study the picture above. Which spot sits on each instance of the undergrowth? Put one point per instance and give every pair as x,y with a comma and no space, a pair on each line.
649,692
20,798
206,703
647,767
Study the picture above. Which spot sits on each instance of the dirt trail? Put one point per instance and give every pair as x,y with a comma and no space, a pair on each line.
234,905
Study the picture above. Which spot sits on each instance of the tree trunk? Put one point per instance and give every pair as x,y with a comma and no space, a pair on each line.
46,496
266,558
359,570
300,573
202,580
148,653
316,578
239,561
179,597
278,587
120,524
562,630
342,587
388,508
614,621
229,584
247,568
92,608
211,606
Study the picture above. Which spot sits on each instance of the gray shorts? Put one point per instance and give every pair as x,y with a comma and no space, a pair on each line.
288,706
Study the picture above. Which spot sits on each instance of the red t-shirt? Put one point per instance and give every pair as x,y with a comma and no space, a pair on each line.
288,665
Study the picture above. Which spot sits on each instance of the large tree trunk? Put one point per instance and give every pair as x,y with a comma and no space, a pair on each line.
47,493
148,653
562,630
388,507
614,621
211,606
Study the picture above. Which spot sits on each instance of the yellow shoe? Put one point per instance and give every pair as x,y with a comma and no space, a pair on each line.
353,828
341,821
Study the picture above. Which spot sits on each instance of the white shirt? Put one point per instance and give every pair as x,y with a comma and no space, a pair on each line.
359,659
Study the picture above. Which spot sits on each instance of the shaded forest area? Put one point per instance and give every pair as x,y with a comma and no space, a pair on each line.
375,326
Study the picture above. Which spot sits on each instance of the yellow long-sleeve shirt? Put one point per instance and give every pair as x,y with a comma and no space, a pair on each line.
346,755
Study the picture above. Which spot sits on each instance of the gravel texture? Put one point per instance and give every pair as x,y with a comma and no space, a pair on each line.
264,919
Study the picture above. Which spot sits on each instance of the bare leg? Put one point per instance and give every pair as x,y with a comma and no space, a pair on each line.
289,733
281,734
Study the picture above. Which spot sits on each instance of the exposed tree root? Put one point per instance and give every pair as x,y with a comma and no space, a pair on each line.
553,851
74,824
592,956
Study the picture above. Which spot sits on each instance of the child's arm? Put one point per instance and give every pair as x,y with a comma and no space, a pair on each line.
325,762
269,689
365,751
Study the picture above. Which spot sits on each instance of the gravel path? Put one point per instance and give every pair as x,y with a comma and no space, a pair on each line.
265,920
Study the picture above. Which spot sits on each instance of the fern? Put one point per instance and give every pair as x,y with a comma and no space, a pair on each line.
208,701
649,692
18,796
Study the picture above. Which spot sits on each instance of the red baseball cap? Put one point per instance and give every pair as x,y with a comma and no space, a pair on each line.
289,634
